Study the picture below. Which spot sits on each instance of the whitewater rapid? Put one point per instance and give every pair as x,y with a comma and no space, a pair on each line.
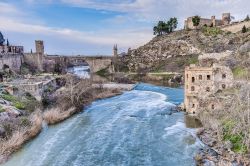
135,128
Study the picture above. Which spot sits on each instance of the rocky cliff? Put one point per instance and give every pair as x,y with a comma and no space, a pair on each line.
171,52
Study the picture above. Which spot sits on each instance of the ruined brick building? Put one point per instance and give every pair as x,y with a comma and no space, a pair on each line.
225,20
201,83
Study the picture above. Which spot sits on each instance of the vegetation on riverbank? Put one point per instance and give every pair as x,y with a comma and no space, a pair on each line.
65,102
13,142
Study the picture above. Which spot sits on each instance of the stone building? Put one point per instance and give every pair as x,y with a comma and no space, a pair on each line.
200,85
10,56
36,85
226,19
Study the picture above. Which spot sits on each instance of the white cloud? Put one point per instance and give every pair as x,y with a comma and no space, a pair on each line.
133,12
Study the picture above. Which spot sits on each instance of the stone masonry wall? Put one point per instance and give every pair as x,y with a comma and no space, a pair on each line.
236,27
14,61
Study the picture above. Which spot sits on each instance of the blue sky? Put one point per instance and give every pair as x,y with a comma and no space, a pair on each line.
92,27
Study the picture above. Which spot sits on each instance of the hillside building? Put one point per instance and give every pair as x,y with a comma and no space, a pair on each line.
203,82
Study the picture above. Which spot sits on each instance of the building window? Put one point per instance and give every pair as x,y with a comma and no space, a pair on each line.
224,76
212,106
192,88
223,86
208,89
208,77
193,105
193,79
187,76
200,77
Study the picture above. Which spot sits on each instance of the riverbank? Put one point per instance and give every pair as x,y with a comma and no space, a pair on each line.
216,153
68,100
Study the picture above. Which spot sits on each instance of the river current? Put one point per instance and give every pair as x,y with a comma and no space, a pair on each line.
137,128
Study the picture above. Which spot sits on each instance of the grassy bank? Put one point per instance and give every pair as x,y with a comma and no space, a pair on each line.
19,137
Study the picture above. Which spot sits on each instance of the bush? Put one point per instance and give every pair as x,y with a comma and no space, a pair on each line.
1,109
19,105
211,31
240,72
244,29
103,72
9,97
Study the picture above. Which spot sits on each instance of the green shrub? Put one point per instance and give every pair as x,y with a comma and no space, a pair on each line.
235,139
103,72
9,97
211,31
237,142
240,72
19,105
1,109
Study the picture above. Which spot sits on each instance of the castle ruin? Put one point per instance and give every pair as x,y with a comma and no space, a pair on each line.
213,22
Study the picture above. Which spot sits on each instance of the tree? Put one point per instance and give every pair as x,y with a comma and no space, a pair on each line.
165,27
172,24
196,21
244,29
2,40
247,18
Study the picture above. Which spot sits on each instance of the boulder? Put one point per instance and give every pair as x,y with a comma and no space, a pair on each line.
245,47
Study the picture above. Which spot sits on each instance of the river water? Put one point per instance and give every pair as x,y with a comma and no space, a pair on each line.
80,71
137,128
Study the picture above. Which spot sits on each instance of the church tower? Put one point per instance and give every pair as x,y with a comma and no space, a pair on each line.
115,51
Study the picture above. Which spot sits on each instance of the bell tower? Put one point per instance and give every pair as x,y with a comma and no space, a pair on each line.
39,54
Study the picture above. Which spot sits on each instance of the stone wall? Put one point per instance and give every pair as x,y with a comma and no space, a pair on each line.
14,61
236,27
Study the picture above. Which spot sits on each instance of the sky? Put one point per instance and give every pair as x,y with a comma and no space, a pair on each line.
92,27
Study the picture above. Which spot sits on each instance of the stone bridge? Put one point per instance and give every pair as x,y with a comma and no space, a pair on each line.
44,62
96,63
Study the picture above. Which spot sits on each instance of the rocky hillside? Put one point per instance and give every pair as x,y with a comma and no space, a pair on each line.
171,52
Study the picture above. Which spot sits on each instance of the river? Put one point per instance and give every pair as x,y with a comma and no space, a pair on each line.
135,128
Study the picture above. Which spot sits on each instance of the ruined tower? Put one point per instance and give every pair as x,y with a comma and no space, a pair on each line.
39,47
39,54
226,18
213,21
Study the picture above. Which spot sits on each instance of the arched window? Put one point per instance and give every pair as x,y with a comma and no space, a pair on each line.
193,79
200,77
192,88
208,77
